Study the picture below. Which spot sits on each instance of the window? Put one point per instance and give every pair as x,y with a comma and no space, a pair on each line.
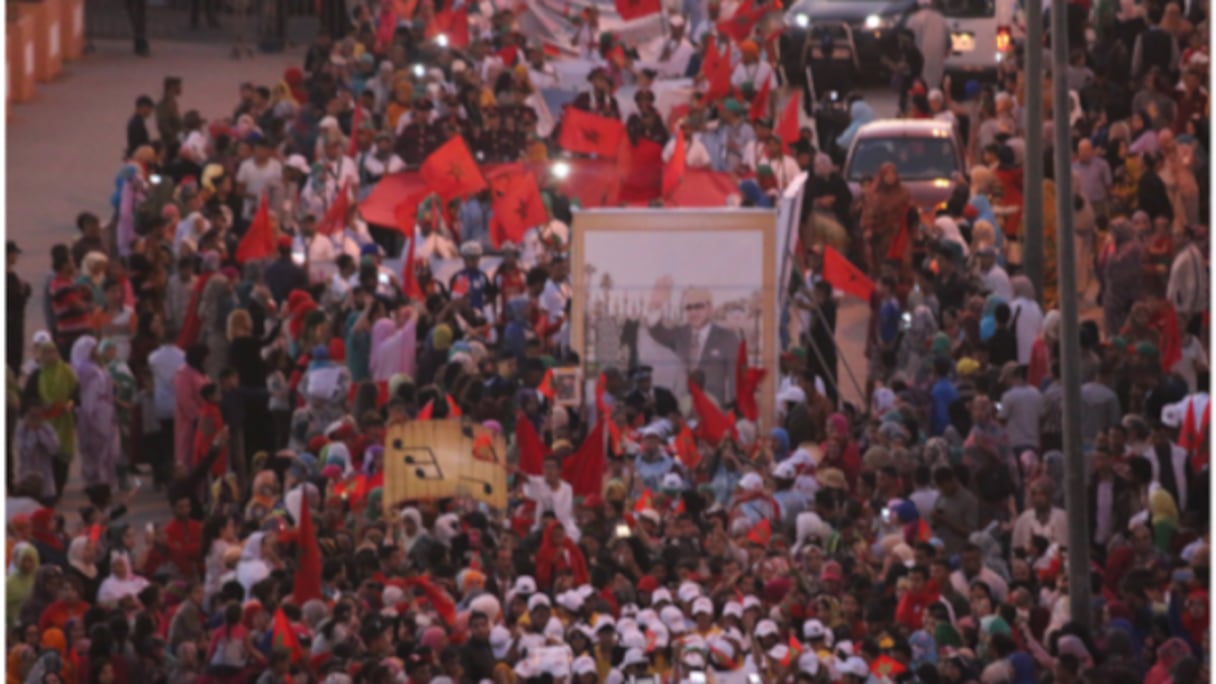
915,158
969,9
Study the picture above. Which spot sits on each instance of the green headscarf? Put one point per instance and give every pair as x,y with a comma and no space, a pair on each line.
940,346
19,584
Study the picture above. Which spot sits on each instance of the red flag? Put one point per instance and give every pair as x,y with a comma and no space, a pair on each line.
762,533
308,572
334,220
719,79
709,63
428,411
517,206
844,276
675,167
438,598
258,240
451,170
899,245
552,50
795,648
715,423
646,500
787,127
760,103
1165,320
406,213
641,170
744,20
747,381
686,448
453,408
584,469
587,133
355,122
532,450
282,634
454,24
546,385
632,9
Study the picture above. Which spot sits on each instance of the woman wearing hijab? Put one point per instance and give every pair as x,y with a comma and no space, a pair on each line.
394,346
187,385
258,560
48,581
81,554
1163,517
96,417
122,583
1122,275
884,218
126,391
214,304
19,585
55,387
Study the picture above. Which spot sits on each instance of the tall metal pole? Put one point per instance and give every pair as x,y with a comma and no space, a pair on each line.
1076,494
1032,166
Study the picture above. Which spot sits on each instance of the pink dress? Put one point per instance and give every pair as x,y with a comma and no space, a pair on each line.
186,387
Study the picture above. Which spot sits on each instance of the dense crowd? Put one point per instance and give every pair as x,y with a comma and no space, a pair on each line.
227,330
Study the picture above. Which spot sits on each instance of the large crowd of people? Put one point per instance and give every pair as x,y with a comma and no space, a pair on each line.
913,534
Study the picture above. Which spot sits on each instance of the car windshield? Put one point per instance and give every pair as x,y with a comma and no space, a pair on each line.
969,9
915,158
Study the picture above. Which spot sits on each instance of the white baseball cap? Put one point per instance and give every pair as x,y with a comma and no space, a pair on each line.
750,602
582,665
688,592
784,470
767,628
524,585
751,482
634,656
633,639
703,606
733,609
813,629
538,600
853,666
673,618
779,652
660,595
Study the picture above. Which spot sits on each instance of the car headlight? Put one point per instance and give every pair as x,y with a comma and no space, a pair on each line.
802,20
875,22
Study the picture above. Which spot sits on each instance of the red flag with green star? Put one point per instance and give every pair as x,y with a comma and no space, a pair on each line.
587,133
517,206
632,9
844,276
451,170
284,637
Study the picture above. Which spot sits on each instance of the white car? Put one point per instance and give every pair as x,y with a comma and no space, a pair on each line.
982,35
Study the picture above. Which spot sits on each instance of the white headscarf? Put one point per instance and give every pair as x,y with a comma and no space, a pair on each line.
76,557
116,588
82,352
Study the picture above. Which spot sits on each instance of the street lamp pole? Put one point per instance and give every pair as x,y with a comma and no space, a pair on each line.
1032,166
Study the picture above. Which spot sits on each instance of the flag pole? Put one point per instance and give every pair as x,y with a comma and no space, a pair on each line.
815,312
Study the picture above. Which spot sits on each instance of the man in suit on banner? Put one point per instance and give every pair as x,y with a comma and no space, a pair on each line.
699,343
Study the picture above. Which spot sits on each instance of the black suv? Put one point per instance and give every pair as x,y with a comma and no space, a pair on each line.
842,40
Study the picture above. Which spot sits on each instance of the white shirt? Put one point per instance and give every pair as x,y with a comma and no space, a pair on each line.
1188,282
1029,321
559,501
257,179
1028,525
164,363
679,52
192,227
376,167
1193,355
756,74
696,155
553,300
194,147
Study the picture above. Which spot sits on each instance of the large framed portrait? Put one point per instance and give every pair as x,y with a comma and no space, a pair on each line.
678,291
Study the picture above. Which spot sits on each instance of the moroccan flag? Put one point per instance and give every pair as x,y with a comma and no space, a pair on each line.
308,572
587,133
761,533
787,127
646,500
355,122
747,381
887,667
532,451
404,9
719,79
632,9
739,27
759,108
406,212
546,385
451,170
709,63
517,206
334,220
282,634
715,423
258,241
641,171
795,648
453,23
675,167
584,469
844,276
686,448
